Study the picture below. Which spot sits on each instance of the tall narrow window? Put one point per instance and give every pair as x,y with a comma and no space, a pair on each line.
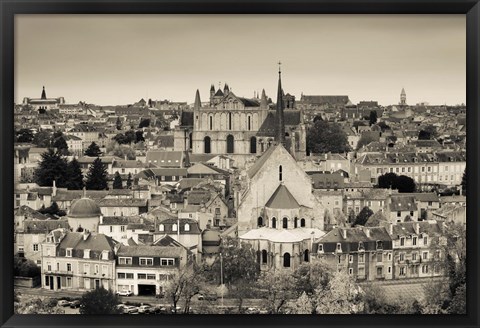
280,177
285,223
302,223
253,145
229,121
249,123
211,123
286,260
230,144
274,222
264,257
206,144
306,255
260,222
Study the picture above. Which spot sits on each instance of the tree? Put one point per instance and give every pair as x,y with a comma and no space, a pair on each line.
24,135
131,136
427,133
53,210
373,117
303,305
324,137
393,181
278,289
97,176
53,166
310,276
139,136
363,216
23,267
184,284
117,181
121,139
129,181
144,123
61,145
43,139
342,296
36,305
464,182
365,139
99,301
75,175
93,150
383,126
118,124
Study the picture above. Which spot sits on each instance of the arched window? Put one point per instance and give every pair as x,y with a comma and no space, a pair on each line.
249,123
229,121
190,141
211,122
174,227
206,145
280,177
295,223
161,227
260,222
286,260
285,223
302,222
187,227
274,222
230,142
264,257
306,255
253,145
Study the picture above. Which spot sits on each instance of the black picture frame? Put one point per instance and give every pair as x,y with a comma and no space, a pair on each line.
9,8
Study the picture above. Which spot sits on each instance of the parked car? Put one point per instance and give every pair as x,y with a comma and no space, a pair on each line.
264,311
130,309
252,310
124,293
63,303
75,304
179,309
144,309
207,297
158,309
121,306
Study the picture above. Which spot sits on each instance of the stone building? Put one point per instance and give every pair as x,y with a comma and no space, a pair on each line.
43,103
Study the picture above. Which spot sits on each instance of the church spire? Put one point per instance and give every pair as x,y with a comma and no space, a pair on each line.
44,95
280,124
263,100
198,103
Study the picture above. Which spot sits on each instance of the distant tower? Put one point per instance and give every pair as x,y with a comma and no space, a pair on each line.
226,90
280,127
198,102
403,98
44,94
212,93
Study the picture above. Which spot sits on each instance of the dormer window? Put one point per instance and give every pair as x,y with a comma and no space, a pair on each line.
379,244
68,252
174,227
187,227
161,227
86,254
339,247
320,248
361,247
105,255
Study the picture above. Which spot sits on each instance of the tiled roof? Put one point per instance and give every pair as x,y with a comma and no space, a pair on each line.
154,251
421,196
69,195
186,119
249,102
114,202
168,226
321,100
24,210
402,203
43,226
282,199
261,161
198,197
188,183
165,158
121,163
267,129
94,242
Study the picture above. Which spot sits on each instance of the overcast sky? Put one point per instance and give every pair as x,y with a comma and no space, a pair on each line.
118,59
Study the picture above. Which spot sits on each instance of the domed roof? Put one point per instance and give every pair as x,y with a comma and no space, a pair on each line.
84,208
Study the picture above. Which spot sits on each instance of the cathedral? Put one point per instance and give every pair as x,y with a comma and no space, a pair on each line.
241,128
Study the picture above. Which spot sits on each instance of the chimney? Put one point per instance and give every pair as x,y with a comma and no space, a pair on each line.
86,233
367,232
344,233
54,189
417,228
101,219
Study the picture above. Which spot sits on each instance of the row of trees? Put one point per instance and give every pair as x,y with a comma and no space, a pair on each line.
54,167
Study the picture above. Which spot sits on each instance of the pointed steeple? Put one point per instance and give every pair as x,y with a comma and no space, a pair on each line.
263,100
280,126
226,89
198,103
44,95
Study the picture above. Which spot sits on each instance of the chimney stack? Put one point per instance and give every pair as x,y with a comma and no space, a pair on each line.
367,232
86,233
417,228
390,229
344,233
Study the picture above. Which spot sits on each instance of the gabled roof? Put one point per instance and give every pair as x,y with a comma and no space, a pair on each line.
282,199
267,129
201,168
154,251
261,161
282,235
406,203
94,242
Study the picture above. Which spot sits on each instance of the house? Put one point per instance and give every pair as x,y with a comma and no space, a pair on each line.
146,270
122,207
402,209
79,261
160,176
185,231
161,158
366,253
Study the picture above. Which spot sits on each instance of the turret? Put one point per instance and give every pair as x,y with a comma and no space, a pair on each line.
198,103
44,94
280,124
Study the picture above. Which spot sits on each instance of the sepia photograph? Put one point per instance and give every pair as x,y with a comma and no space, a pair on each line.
240,164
